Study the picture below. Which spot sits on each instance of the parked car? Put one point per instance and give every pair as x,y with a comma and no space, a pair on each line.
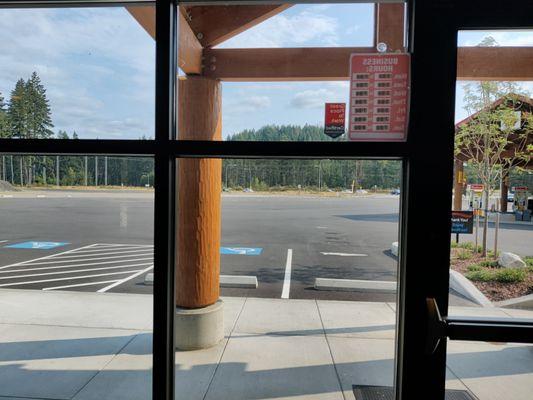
510,197
395,191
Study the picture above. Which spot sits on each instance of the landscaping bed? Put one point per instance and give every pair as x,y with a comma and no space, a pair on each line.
495,282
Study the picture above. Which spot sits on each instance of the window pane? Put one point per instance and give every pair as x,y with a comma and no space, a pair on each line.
308,273
77,72
491,255
75,250
278,65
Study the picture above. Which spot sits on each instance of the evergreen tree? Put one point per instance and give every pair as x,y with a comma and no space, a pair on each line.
18,110
39,113
4,123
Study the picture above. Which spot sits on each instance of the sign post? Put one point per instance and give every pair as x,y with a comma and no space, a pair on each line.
379,97
335,119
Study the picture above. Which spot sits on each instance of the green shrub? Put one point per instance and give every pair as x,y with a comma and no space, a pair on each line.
466,245
529,261
510,275
464,255
489,264
455,244
481,275
474,267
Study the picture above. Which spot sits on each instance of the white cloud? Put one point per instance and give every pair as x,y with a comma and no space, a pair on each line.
307,27
98,66
247,104
316,98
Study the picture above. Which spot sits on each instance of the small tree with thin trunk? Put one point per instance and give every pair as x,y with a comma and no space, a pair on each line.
497,138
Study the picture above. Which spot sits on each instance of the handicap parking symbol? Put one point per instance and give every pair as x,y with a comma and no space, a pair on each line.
36,245
242,251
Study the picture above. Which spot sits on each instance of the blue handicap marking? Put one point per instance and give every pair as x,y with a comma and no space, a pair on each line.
37,245
243,251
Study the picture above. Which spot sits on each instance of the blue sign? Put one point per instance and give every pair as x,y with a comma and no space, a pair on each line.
242,251
37,245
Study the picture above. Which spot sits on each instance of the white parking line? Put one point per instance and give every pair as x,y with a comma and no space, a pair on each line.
287,279
45,257
103,290
76,265
78,285
85,254
123,245
3,241
344,254
54,261
100,249
66,279
74,272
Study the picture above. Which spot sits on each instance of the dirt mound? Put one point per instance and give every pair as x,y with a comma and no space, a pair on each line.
7,187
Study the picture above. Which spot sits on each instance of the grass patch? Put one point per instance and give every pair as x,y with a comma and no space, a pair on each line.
454,244
529,261
481,275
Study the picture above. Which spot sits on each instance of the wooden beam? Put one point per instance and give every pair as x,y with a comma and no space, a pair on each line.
189,48
278,64
390,25
326,64
216,24
495,63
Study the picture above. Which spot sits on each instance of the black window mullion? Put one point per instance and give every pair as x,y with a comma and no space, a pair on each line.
165,186
77,147
426,201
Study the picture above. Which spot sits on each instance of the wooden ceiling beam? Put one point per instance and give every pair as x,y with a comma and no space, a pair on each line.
389,25
189,48
326,64
495,63
216,24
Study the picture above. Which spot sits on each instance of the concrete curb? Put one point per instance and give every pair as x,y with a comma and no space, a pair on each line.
238,281
523,302
355,285
226,281
394,249
467,289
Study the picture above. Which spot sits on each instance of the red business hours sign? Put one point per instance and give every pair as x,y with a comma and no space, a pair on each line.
335,117
379,97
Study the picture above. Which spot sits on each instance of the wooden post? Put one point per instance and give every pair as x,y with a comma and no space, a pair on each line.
199,190
458,186
504,191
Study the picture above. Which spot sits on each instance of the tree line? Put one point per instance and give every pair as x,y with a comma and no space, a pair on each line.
28,115
264,174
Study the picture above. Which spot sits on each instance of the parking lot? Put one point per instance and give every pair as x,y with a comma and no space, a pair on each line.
103,242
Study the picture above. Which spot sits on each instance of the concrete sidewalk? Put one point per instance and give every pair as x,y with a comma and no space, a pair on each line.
72,345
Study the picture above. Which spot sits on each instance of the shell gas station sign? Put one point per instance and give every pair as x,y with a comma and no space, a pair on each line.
379,97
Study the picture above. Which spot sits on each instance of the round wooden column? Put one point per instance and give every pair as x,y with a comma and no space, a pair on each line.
199,189
458,185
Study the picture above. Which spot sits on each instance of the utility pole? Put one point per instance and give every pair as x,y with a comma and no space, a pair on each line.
57,171
44,170
105,169
21,174
96,171
86,184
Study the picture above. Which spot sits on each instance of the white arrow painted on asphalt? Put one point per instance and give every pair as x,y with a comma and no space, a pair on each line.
344,254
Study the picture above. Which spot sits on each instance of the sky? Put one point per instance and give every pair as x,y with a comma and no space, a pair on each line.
98,65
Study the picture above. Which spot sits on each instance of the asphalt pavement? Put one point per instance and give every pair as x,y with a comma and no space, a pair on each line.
103,241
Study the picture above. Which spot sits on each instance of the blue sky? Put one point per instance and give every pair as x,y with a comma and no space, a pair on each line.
99,66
